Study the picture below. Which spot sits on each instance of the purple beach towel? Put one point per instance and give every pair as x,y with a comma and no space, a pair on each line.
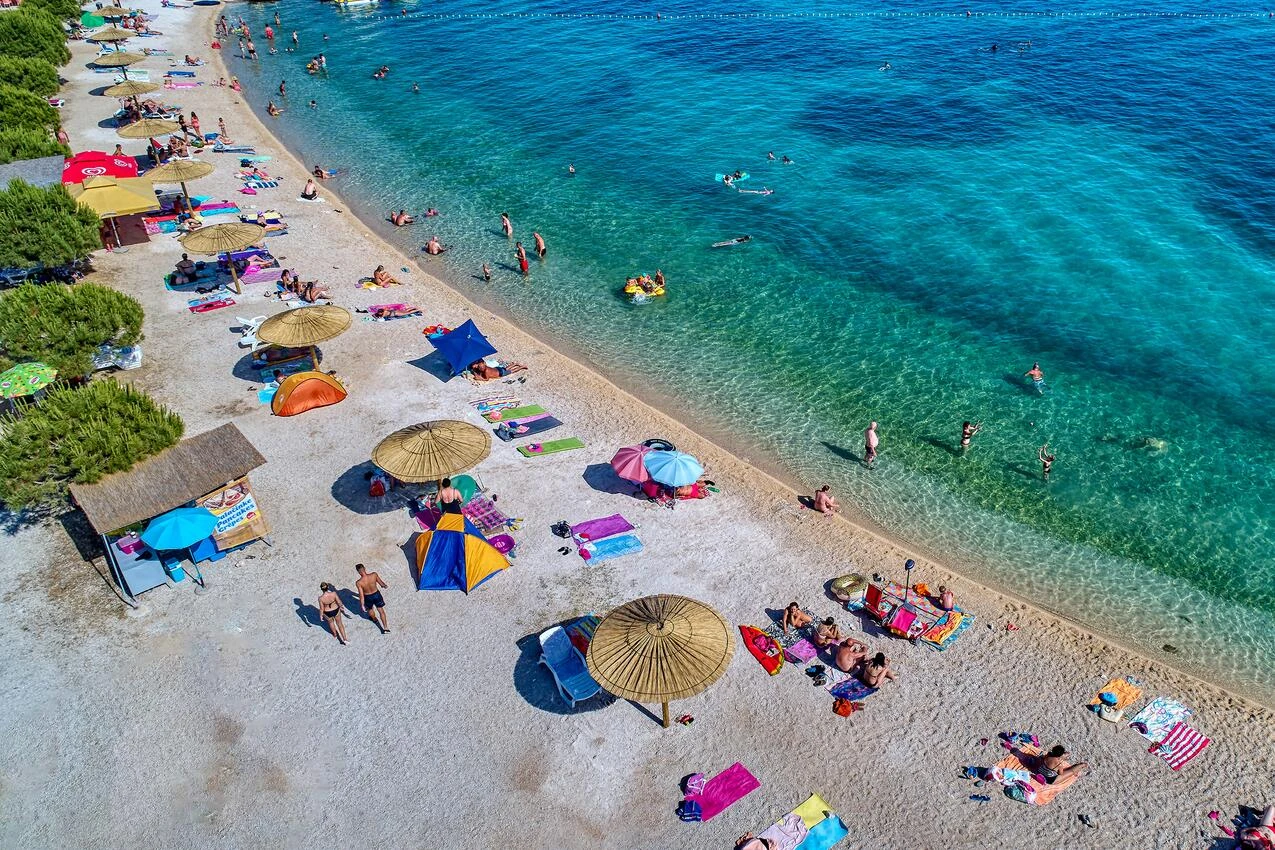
596,529
724,790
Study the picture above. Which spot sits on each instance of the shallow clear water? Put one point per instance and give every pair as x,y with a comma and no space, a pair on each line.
1102,201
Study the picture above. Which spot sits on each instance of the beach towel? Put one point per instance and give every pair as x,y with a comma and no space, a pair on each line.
1126,693
505,414
812,811
596,529
788,833
1159,716
724,790
826,834
833,677
764,648
483,513
262,184
1182,744
523,420
509,431
801,652
851,689
551,447
944,633
261,275
209,306
1041,794
581,631
495,402
265,395
612,547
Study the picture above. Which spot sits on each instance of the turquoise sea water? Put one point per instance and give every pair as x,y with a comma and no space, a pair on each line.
1102,201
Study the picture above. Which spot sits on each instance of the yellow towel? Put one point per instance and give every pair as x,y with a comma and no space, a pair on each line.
1126,694
812,811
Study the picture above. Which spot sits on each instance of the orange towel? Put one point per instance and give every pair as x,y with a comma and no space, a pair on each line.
1044,793
1126,693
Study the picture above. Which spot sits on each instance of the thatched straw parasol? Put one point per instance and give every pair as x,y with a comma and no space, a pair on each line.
179,171
148,127
432,451
224,238
304,325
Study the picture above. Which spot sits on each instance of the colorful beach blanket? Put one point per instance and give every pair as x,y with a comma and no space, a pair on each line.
612,547
581,631
596,529
724,790
495,402
1182,744
851,689
944,633
551,447
483,513
261,184
793,636
788,833
1159,716
1125,692
1015,773
504,414
811,826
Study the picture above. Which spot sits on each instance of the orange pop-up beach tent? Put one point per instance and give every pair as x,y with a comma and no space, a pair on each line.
306,391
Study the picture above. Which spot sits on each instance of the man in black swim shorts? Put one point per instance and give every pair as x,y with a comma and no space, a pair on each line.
370,599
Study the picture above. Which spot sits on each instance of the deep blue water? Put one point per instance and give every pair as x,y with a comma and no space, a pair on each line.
1097,194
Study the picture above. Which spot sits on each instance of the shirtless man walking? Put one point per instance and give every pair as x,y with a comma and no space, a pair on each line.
540,245
870,443
370,599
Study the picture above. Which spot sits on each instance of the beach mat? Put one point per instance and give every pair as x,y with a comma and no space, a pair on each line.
944,633
599,551
508,432
1044,793
851,689
1126,693
551,447
826,834
1159,716
596,529
512,413
724,790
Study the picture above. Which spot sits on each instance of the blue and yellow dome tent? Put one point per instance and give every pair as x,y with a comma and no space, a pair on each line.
455,556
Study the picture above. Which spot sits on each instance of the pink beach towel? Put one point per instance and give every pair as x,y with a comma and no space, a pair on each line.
596,529
724,790
1182,744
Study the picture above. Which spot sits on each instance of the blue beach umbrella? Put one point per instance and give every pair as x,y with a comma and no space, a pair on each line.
675,469
179,528
463,346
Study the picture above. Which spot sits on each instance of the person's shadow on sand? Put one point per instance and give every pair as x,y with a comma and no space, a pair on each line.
309,614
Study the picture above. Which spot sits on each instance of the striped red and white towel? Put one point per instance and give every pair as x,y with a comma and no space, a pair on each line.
1180,746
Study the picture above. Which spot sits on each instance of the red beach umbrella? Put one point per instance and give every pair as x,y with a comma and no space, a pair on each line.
628,464
88,164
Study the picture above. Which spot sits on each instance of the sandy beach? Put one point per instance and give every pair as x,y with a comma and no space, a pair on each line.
227,716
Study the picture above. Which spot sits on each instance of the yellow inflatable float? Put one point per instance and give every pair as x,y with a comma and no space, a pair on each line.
644,286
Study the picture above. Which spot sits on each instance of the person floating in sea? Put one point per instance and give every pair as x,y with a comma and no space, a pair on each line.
540,245
886,67
1046,460
1037,378
314,104
770,155
296,42
506,225
786,161
967,433
870,443
416,89
728,181
571,168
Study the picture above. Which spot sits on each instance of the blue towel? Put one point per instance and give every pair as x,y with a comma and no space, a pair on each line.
825,834
536,426
851,689
611,547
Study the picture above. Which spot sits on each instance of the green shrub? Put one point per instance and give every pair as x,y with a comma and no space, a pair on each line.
21,108
63,10
44,226
61,326
33,34
35,75
25,143
77,436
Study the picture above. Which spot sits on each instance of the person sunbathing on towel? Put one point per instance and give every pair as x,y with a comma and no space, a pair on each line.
1055,767
312,291
383,278
877,671
310,192
395,312
850,654
827,634
795,617
480,370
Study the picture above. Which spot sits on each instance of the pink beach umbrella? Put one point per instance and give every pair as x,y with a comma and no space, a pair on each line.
628,464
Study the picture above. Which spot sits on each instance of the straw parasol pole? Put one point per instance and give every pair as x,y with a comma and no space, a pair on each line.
432,451
304,326
179,171
224,238
660,648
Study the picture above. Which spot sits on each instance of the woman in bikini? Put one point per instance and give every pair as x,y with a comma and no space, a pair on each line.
331,608
827,634
795,617
1055,767
877,671
383,278
449,498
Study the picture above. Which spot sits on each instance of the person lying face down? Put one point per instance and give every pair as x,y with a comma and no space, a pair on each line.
480,370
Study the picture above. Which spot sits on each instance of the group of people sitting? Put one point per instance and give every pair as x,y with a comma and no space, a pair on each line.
849,654
291,286
177,148
403,217
481,370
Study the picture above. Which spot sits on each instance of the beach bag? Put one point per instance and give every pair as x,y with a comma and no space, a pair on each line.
690,811
843,707
561,529
695,784
1022,793
377,488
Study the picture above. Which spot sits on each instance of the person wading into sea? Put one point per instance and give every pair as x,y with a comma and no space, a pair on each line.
540,245
370,599
506,225
1046,460
967,433
870,443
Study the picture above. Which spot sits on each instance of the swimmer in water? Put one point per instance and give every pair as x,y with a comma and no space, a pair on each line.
1046,460
770,155
1037,378
314,104
728,181
416,89
506,225
273,110
571,168
283,88
486,272
786,160
401,218
433,247
431,212
885,67
967,433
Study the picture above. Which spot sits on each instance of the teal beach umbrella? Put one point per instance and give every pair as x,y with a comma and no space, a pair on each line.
674,469
179,528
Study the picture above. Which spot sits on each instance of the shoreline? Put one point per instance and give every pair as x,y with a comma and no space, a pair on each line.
677,413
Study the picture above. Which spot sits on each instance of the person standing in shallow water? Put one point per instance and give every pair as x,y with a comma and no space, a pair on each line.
506,225
540,245
1046,460
967,434
870,443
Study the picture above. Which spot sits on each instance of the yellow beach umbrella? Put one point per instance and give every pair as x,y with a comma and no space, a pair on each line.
119,59
304,326
132,88
660,648
111,197
148,127
224,238
179,171
111,34
431,451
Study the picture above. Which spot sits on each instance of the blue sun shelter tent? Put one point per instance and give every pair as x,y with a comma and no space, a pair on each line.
463,346
455,556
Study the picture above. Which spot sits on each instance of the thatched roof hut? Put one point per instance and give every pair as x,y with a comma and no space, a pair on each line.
192,468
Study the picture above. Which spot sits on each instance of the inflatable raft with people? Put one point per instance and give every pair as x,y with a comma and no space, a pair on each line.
644,287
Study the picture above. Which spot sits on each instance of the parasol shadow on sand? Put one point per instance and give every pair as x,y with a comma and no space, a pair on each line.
350,491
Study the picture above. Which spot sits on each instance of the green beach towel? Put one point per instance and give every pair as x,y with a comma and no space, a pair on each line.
515,413
551,447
